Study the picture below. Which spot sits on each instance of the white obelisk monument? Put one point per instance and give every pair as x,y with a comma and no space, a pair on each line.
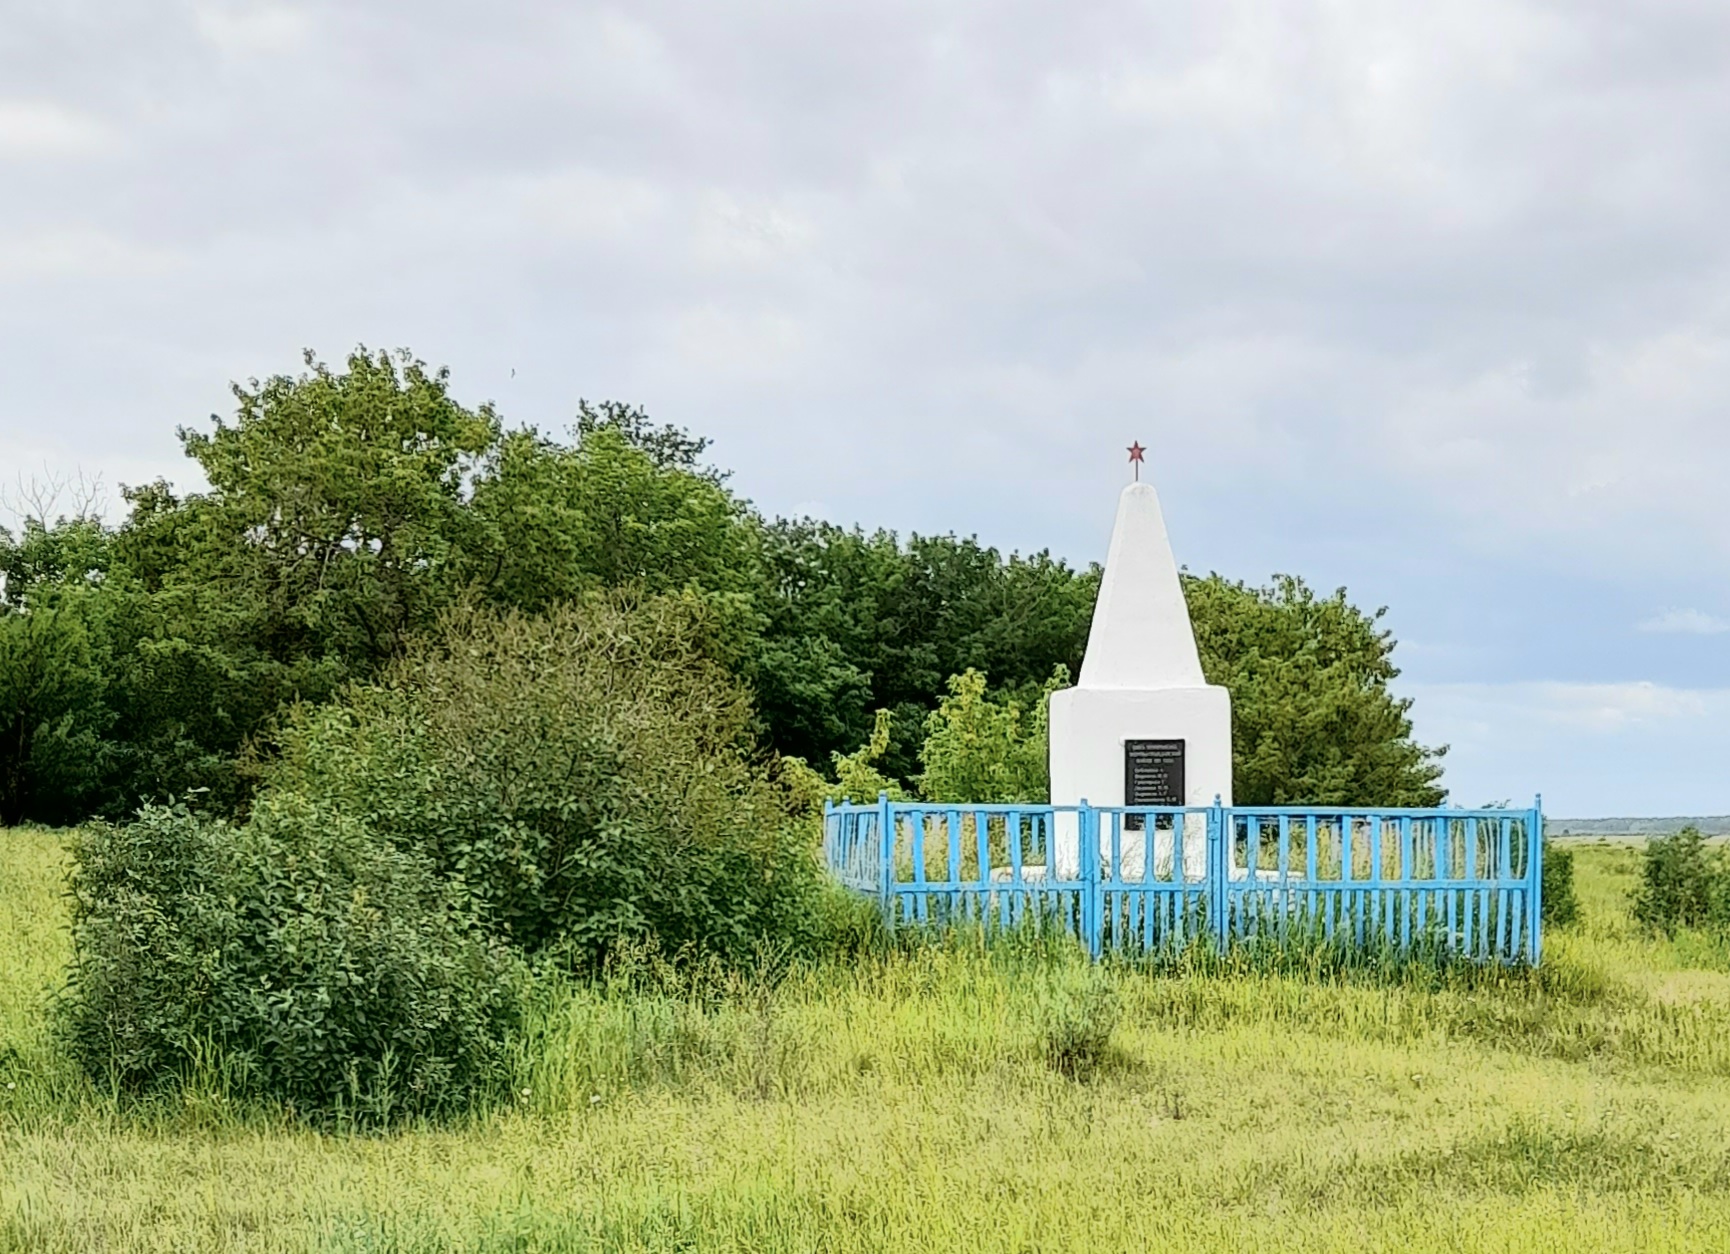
1142,727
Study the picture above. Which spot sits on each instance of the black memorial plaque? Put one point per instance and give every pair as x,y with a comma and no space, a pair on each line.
1152,775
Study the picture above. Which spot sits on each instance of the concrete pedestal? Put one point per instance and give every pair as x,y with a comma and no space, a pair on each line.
1089,728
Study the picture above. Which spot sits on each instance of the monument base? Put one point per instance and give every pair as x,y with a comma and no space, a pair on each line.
1092,731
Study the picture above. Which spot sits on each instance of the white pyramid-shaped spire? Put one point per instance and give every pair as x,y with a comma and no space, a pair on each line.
1141,636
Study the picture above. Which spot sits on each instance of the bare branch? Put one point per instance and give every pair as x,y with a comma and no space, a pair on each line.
54,495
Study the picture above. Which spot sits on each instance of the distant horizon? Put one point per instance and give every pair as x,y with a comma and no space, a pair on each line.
1636,825
1634,818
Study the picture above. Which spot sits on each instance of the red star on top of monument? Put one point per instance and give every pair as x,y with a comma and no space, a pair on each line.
1135,452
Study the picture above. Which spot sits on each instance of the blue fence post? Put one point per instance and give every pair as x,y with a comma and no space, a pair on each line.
1218,847
886,851
1087,837
1535,881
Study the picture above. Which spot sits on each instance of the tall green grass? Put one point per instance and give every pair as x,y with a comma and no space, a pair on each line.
942,1094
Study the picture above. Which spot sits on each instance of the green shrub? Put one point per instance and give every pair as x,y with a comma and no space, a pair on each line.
587,774
1078,1012
1683,883
1560,904
300,957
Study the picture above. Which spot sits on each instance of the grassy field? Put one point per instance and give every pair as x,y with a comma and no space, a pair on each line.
909,1103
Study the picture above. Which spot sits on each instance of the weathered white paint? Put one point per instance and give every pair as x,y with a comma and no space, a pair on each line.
1140,680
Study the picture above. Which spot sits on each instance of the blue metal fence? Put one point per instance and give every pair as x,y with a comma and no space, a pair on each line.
1156,878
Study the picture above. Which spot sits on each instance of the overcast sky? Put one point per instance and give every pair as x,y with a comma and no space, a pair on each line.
1428,300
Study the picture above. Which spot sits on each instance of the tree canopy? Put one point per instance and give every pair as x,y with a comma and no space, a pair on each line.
349,508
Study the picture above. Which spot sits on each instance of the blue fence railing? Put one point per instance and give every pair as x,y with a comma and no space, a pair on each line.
1157,878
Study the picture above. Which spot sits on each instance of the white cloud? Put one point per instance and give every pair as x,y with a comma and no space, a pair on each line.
746,238
754,345
1685,623
1587,707
1590,748
585,205
251,29
1613,707
36,128
79,253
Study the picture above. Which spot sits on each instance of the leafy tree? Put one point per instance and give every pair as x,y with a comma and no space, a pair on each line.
819,599
810,695
1313,719
669,447
54,671
331,532
857,622
44,559
561,521
336,503
977,749
52,716
196,667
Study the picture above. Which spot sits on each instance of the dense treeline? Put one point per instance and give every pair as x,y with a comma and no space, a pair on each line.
349,509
